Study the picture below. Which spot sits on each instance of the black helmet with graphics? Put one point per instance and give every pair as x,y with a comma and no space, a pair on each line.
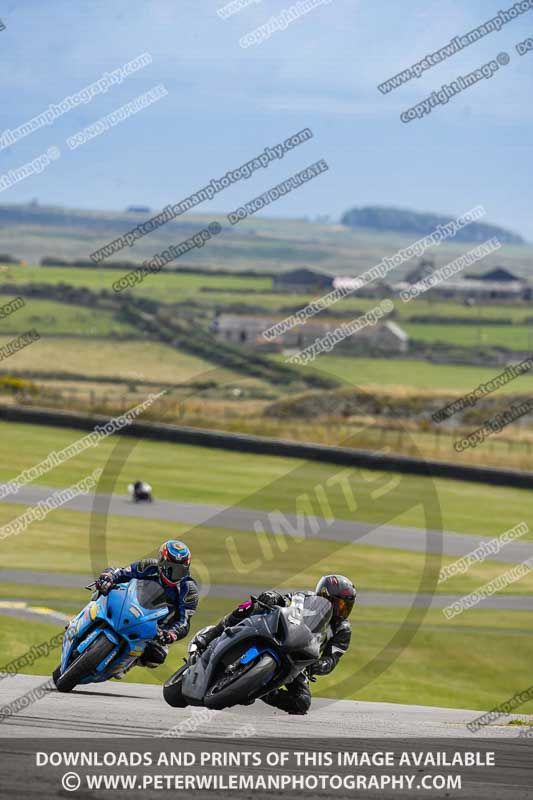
341,593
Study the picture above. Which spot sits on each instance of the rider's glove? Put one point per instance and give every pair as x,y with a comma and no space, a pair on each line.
167,637
105,582
270,599
200,642
320,667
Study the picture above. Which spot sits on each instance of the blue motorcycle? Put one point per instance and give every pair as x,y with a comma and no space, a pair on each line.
110,634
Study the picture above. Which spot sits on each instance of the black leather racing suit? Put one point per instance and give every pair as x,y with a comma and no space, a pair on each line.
295,698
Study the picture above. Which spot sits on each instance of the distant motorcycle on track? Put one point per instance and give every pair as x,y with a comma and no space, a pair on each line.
110,634
260,654
141,492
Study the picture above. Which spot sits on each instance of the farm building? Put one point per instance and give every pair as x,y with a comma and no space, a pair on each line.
248,332
496,284
500,274
302,281
475,289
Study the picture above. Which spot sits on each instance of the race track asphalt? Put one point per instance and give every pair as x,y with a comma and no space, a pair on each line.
129,709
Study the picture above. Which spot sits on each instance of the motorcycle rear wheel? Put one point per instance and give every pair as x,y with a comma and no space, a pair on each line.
237,692
84,665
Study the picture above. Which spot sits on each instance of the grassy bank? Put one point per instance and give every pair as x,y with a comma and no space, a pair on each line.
204,475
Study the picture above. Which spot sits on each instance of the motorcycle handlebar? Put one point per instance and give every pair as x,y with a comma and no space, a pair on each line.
260,603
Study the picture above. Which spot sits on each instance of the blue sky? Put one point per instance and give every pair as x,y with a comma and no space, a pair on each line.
226,103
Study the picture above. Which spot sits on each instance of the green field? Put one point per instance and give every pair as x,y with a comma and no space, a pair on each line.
204,475
450,309
55,597
445,664
513,337
50,317
387,373
165,287
130,360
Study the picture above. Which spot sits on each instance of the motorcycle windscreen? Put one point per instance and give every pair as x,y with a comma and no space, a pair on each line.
317,612
150,595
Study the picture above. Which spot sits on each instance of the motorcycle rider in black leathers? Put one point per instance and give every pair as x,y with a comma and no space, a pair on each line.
295,698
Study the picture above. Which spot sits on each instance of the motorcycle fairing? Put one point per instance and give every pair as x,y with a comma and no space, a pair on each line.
128,616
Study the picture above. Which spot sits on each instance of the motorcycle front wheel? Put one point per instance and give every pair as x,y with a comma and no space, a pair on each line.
84,665
227,692
172,690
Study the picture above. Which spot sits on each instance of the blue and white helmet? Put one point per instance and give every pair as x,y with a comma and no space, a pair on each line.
174,560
